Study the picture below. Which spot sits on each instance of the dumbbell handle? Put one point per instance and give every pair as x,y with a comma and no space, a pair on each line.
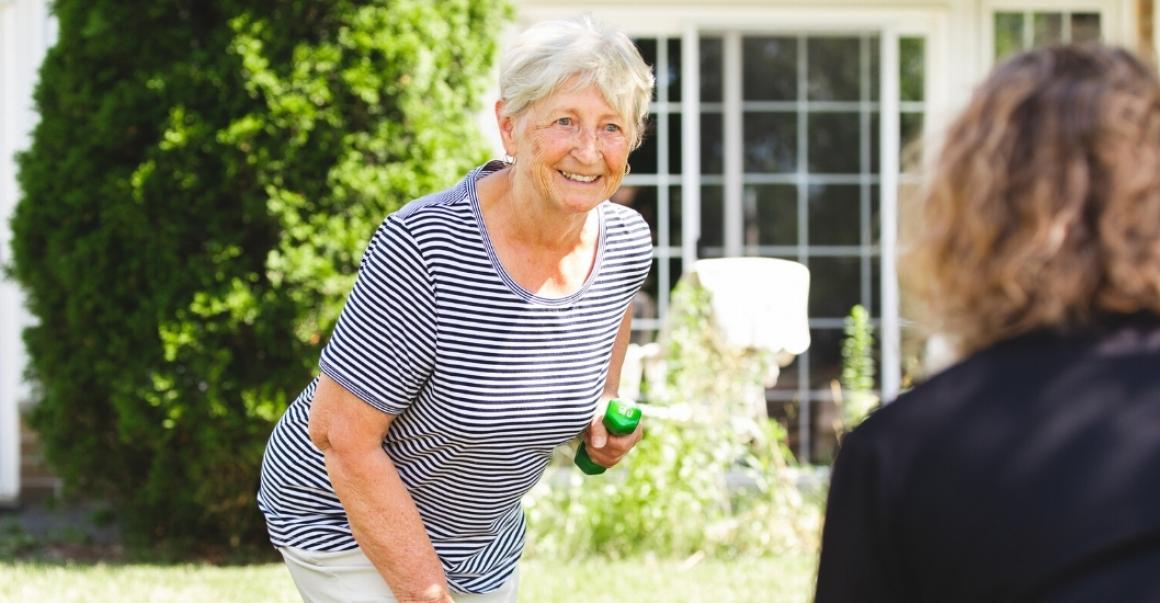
621,418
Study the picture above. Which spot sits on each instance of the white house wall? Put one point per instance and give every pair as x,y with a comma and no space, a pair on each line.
26,31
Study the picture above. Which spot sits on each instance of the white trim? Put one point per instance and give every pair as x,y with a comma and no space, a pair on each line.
888,206
805,400
26,31
664,279
734,139
691,145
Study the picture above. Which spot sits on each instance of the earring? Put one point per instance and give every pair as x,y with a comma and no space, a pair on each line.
509,160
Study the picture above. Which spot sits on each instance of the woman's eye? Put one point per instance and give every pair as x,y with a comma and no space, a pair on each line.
564,121
612,128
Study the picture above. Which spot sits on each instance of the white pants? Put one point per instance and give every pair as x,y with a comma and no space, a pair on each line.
349,577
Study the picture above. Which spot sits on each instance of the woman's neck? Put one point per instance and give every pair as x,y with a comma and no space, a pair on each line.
517,214
548,254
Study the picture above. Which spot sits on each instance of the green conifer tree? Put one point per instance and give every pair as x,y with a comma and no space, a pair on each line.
196,199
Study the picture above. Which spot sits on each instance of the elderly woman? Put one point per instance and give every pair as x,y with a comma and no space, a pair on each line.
1029,470
487,326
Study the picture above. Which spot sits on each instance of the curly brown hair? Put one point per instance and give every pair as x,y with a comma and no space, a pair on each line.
1042,208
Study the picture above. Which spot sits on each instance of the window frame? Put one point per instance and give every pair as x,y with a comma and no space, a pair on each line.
1115,20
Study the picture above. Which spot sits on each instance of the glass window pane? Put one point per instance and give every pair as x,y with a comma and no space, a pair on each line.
824,420
675,212
1008,33
712,144
648,52
676,271
712,222
644,200
875,48
769,68
644,159
788,378
1046,29
1085,27
644,305
910,129
835,286
834,143
912,64
770,142
835,215
711,70
825,357
771,214
673,77
675,155
833,69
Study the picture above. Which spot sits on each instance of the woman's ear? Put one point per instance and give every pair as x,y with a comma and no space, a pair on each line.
507,126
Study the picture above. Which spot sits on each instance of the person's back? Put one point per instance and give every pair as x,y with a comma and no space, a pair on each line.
1030,470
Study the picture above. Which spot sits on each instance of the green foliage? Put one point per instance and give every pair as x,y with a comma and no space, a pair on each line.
858,397
14,540
711,478
195,201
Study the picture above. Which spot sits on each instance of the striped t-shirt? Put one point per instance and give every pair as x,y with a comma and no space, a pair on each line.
486,379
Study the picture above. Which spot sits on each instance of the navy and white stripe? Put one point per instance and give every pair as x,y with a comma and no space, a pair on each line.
486,379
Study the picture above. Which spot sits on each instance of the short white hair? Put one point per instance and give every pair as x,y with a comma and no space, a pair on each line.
550,53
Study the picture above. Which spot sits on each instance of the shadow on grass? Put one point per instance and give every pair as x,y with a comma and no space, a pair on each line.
54,530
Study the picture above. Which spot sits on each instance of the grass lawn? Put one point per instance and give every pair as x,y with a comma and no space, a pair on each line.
775,580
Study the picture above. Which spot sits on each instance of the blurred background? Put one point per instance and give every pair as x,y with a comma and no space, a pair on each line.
186,188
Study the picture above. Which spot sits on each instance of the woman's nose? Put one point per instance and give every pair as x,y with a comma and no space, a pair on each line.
585,145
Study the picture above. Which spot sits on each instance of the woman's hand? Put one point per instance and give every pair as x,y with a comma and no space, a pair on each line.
604,448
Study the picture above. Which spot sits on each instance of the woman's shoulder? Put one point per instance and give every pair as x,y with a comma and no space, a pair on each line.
457,195
626,221
1003,377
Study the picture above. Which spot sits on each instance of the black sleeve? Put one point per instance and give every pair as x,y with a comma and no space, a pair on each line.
857,559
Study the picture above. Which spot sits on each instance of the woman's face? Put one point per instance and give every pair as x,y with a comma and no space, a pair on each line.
571,148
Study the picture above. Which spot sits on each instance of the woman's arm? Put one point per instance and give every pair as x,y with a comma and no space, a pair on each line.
382,515
619,349
605,450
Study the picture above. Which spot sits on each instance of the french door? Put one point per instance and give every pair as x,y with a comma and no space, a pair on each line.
785,145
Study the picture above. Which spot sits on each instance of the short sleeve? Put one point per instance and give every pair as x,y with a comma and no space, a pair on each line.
382,349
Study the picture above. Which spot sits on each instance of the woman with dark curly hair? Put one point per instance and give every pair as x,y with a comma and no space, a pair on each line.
1029,470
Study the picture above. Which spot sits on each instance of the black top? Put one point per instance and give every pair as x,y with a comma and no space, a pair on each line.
1028,472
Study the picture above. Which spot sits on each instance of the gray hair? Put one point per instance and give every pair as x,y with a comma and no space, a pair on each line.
549,53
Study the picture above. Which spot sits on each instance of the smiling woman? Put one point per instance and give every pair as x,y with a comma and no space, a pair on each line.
487,326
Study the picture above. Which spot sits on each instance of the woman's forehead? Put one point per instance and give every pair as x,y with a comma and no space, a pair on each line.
583,97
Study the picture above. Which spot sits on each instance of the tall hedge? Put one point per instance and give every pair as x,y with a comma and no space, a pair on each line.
196,197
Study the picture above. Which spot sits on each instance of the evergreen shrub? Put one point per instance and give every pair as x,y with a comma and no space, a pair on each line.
196,199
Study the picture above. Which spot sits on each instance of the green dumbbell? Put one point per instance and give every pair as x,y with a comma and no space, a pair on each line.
620,419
